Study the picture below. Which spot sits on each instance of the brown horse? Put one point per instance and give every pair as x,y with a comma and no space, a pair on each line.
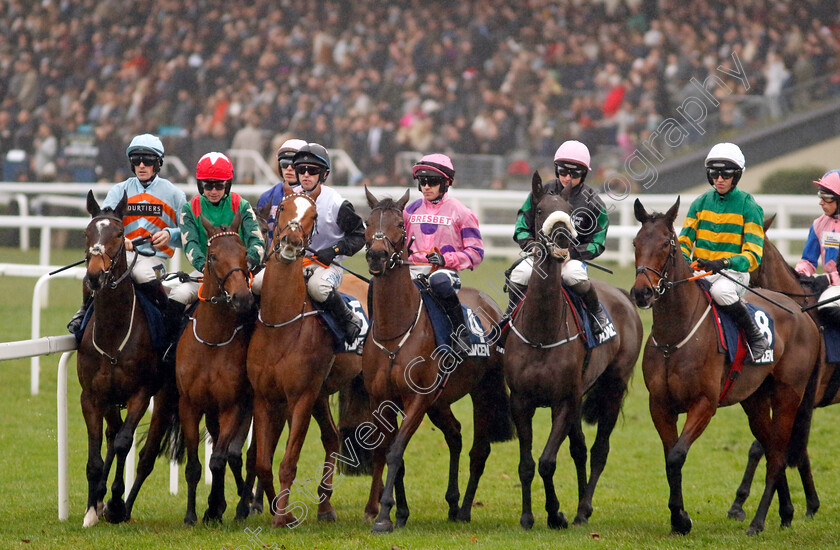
685,373
289,359
404,372
118,368
774,273
548,365
210,370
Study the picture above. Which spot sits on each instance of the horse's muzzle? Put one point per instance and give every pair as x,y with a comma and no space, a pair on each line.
376,259
642,295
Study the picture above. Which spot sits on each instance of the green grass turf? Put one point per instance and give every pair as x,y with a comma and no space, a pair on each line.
630,502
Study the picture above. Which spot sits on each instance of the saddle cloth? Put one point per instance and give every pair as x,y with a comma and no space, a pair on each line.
339,345
443,327
732,337
154,318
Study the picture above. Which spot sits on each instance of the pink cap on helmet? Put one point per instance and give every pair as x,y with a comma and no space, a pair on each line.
214,166
830,181
436,162
573,151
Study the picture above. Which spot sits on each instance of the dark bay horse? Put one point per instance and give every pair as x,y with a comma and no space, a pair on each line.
548,365
118,368
211,374
685,373
404,372
291,364
774,273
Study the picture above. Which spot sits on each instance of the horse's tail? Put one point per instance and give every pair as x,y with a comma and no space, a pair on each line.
798,445
173,445
353,409
496,408
605,390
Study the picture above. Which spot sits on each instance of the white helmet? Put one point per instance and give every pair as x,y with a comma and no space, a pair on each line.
726,155
145,142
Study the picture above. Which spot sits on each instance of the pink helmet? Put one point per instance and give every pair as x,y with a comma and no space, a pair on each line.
436,163
573,151
830,182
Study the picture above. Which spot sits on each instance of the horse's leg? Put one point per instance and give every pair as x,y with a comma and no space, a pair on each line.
93,470
578,452
482,417
676,450
299,413
563,416
244,485
401,514
415,411
190,418
523,414
116,510
164,418
378,458
221,434
442,417
267,428
329,439
113,424
812,499
736,511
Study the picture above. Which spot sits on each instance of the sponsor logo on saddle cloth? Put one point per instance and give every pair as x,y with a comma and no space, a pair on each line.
608,332
479,347
764,323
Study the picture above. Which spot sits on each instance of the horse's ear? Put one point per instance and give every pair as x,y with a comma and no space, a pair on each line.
234,225
208,227
92,206
287,189
371,200
672,212
404,200
566,193
536,188
315,193
768,221
639,210
121,206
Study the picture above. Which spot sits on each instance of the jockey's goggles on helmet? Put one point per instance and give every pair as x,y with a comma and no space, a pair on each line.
210,185
725,172
827,197
308,168
148,160
285,163
567,169
430,181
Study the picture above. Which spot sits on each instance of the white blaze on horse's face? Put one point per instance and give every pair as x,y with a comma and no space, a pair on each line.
302,206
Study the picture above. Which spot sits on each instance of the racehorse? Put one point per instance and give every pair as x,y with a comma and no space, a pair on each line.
774,273
118,368
405,373
548,365
289,359
684,372
210,370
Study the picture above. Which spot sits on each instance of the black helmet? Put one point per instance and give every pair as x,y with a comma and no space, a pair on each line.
313,153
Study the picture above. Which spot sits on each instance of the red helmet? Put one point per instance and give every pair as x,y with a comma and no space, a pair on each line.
214,166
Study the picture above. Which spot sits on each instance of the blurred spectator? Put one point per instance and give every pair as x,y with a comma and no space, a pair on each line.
46,149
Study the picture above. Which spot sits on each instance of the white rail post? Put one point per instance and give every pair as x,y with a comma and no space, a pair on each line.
61,408
23,212
44,259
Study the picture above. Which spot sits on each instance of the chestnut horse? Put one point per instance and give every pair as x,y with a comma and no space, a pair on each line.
291,364
774,273
402,374
548,365
210,370
118,368
685,373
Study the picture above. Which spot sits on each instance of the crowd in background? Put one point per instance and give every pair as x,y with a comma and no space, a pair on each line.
79,77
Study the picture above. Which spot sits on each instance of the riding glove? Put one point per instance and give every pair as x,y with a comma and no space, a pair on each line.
715,266
326,255
436,258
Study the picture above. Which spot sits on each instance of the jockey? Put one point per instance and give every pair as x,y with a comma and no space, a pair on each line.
824,242
339,233
731,225
446,235
153,206
218,205
274,196
571,165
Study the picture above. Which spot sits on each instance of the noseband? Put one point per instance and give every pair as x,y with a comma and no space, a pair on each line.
225,297
394,258
663,284
99,250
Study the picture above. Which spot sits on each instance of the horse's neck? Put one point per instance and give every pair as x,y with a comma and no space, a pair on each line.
395,302
113,309
545,302
677,310
218,317
284,290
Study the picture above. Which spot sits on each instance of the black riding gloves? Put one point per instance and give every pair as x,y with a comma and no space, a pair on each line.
436,258
326,255
715,266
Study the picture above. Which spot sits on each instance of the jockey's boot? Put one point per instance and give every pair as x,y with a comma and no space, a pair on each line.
515,294
344,315
829,315
154,291
76,322
460,332
756,342
173,316
586,290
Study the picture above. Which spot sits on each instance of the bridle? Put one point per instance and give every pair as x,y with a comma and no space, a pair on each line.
224,297
293,225
394,248
663,284
99,250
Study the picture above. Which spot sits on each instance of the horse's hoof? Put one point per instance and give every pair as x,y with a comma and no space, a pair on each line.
243,509
256,508
557,521
369,517
736,513
115,511
284,520
383,526
401,521
91,517
190,518
526,521
810,512
681,523
327,516
211,518
453,515
755,529
580,520
464,516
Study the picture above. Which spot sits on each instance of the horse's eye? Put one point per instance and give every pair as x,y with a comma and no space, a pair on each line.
211,257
